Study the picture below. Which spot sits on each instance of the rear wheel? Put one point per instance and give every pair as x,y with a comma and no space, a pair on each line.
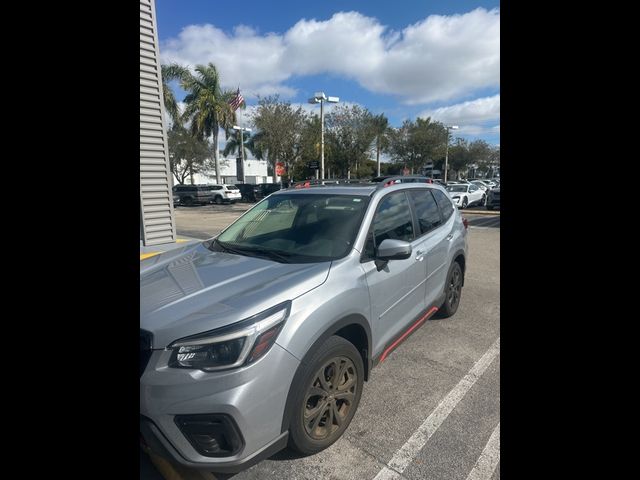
186,200
453,291
217,200
328,397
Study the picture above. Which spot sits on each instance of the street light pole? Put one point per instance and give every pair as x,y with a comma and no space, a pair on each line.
446,156
320,97
236,127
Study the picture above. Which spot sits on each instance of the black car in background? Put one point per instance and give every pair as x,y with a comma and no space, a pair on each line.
254,192
493,198
192,194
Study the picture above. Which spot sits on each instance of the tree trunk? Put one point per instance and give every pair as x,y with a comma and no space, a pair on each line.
378,155
216,154
191,173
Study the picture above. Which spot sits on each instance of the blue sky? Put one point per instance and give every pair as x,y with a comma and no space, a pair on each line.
403,58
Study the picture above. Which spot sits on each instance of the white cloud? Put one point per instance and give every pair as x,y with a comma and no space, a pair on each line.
472,112
439,58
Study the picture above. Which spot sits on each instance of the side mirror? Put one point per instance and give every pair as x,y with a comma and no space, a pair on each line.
393,250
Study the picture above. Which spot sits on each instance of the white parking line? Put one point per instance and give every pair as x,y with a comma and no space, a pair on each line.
489,458
405,455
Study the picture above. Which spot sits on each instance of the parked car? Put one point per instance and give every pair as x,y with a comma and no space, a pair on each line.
224,194
247,192
192,194
263,336
466,194
493,198
479,183
264,189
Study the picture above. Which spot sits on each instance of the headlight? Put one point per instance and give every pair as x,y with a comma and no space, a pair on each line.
233,346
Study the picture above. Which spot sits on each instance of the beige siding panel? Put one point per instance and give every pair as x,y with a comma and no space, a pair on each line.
156,198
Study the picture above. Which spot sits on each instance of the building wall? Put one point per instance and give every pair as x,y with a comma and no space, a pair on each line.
157,224
255,171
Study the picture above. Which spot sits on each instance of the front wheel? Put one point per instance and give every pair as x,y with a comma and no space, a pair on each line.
328,397
465,202
483,202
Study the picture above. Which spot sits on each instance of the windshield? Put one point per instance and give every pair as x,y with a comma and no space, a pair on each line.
296,228
456,188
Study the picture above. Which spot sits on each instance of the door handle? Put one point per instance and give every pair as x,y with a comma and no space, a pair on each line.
450,237
420,255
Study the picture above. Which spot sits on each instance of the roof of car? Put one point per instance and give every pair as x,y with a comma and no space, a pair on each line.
365,188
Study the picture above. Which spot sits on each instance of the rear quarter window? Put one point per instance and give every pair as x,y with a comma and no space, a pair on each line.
444,204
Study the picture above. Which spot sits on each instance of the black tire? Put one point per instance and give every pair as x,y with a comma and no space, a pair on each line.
217,200
483,202
489,207
186,201
453,291
465,202
314,405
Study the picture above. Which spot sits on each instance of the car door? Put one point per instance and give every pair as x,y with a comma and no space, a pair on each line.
433,232
397,291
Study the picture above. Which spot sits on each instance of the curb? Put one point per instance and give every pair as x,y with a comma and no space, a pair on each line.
479,212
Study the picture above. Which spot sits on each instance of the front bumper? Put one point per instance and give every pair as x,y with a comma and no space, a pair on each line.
253,396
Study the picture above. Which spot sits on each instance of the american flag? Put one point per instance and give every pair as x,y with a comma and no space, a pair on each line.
237,100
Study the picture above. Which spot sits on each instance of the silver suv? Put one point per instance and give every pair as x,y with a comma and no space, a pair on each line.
262,337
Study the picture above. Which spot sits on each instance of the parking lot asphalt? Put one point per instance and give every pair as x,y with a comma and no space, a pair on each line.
432,409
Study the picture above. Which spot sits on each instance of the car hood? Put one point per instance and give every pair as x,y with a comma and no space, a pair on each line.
193,289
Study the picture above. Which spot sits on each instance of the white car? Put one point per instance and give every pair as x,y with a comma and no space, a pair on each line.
466,194
225,194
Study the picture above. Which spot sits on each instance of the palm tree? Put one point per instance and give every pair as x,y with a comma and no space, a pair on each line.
380,126
207,106
169,73
233,143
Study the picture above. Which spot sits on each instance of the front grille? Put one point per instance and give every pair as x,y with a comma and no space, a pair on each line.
145,349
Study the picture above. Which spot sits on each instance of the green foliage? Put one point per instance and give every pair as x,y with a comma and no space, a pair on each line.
187,154
349,135
279,133
416,143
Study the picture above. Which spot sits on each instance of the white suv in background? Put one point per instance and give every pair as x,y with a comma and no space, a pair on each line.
225,194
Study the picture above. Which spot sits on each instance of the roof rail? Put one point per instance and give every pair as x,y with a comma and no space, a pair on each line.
387,182
325,182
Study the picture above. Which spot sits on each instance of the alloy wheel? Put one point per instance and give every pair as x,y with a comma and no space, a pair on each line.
330,398
454,290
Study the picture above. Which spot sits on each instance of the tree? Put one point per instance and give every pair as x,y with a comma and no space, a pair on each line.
381,130
233,143
481,154
459,156
349,136
187,154
169,73
279,127
207,107
416,143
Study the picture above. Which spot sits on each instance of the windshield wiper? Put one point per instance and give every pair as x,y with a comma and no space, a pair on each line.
254,252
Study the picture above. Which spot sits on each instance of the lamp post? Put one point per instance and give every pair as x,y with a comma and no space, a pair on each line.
320,97
241,130
446,157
